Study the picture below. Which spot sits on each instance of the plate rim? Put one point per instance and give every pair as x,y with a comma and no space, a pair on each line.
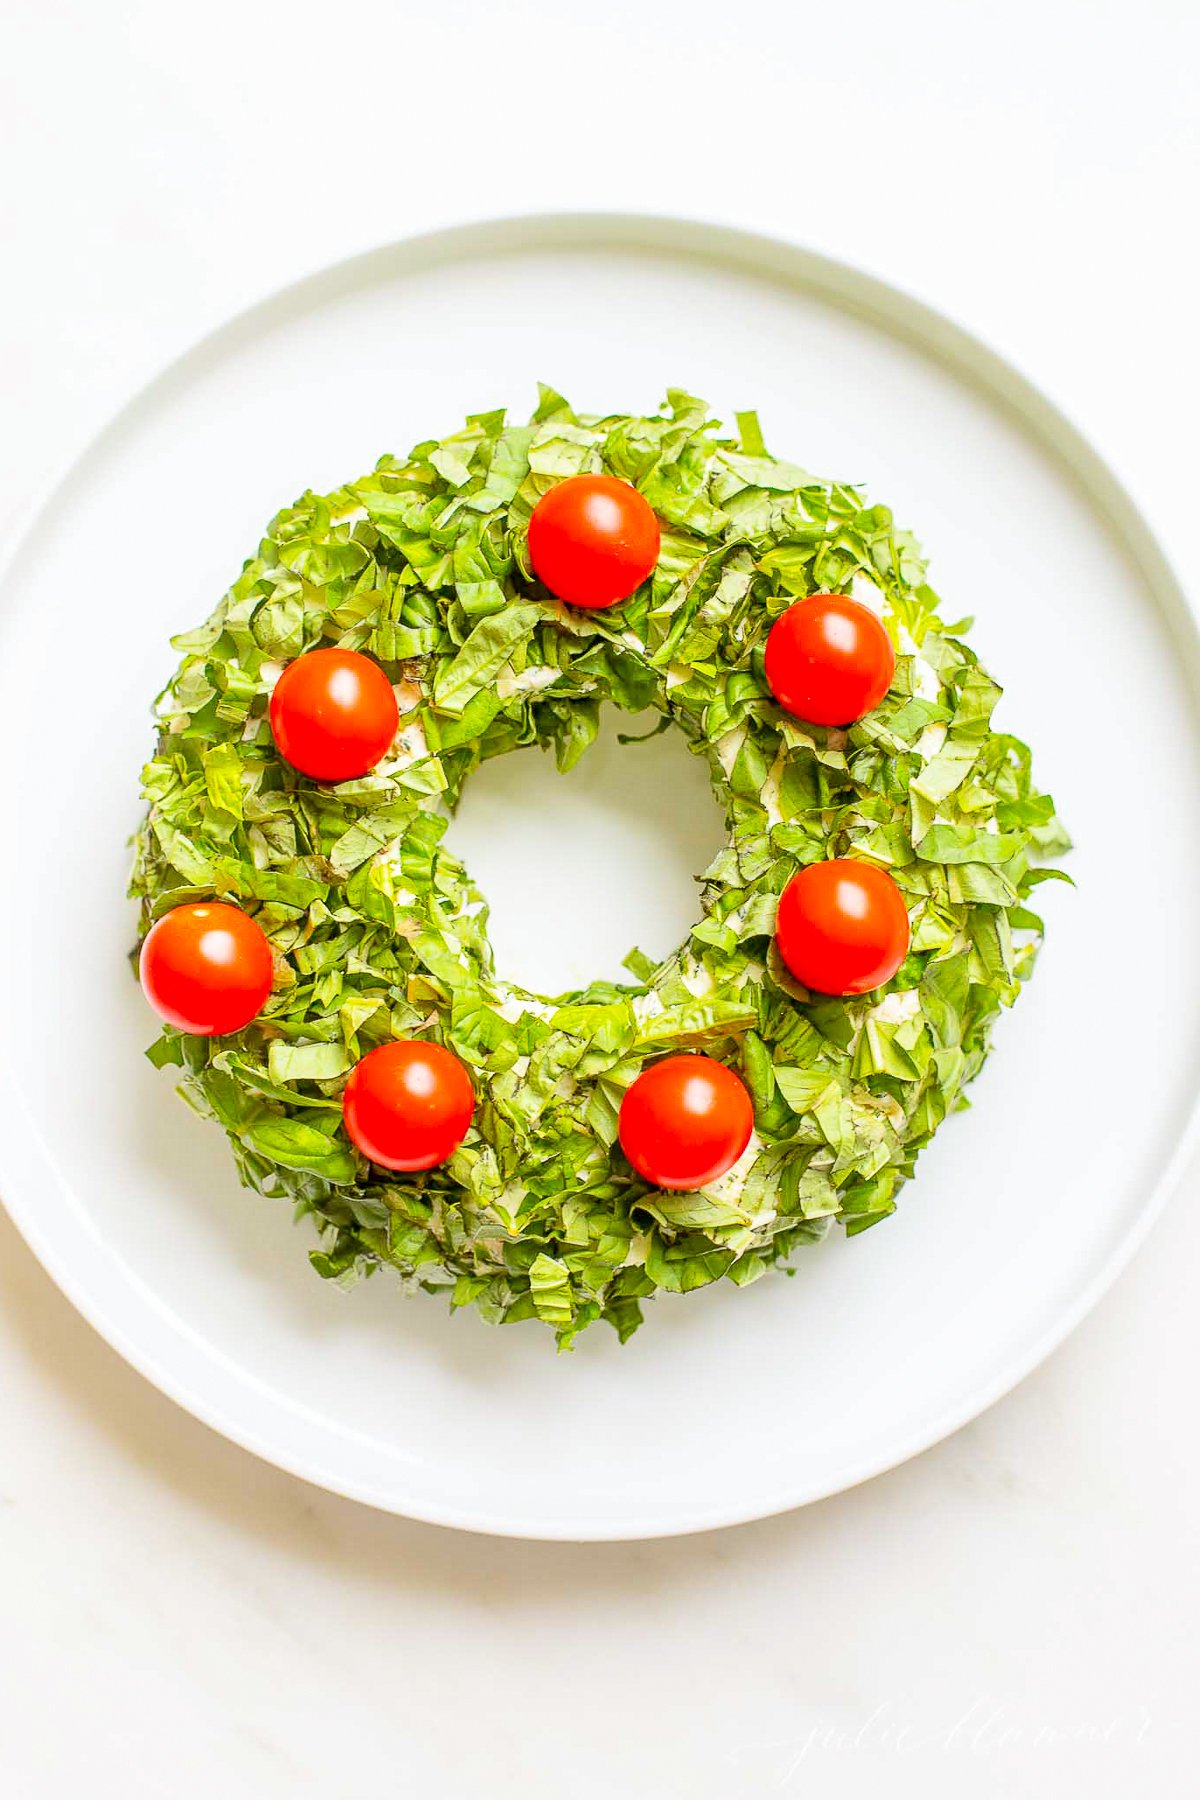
853,290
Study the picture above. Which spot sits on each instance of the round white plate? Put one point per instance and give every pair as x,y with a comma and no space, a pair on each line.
728,1405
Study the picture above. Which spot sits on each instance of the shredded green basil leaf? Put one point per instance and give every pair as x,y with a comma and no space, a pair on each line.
379,933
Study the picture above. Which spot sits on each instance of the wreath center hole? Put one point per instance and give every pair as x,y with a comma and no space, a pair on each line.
579,868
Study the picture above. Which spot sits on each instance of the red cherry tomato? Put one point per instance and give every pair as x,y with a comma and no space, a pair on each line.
407,1105
206,968
842,927
685,1121
333,714
829,660
593,540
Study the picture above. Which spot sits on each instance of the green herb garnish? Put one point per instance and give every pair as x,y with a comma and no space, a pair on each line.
379,932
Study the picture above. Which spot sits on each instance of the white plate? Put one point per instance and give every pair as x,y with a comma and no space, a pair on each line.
728,1405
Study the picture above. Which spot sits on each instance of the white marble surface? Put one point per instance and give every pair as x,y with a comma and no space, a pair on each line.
1012,1613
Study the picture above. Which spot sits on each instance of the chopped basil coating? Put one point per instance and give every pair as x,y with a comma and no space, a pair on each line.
379,932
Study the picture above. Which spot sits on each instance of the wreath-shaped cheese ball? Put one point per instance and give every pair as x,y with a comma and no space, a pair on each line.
379,936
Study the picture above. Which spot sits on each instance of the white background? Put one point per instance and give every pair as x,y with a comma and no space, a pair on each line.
1009,1615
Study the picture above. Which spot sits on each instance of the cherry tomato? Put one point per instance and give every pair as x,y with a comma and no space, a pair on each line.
407,1105
685,1121
842,926
333,714
593,540
206,968
829,660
